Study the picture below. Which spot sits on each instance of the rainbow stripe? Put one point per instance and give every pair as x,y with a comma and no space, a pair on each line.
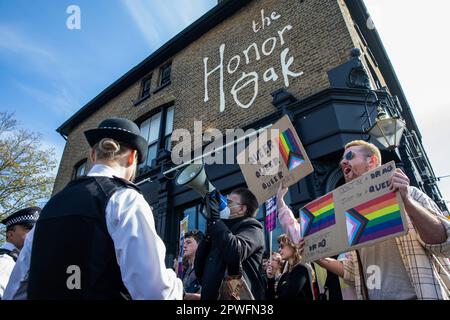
290,150
317,215
374,219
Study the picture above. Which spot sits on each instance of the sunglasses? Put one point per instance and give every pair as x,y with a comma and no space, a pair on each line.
348,156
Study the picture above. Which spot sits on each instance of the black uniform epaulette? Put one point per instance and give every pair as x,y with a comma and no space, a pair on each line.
127,184
9,253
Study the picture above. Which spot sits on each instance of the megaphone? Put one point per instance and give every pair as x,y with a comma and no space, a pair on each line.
194,176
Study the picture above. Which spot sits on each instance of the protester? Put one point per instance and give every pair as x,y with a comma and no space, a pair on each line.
191,284
96,238
233,244
17,225
265,262
414,266
295,282
274,271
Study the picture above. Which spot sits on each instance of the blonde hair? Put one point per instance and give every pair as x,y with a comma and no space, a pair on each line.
371,149
286,241
110,150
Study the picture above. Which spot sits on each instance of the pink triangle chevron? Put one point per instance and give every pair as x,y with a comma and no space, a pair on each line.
355,223
352,227
305,220
295,160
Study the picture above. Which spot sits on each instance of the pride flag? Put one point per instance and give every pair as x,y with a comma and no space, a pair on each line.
290,150
374,219
271,214
317,215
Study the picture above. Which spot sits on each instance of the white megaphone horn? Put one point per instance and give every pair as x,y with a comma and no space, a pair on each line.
194,176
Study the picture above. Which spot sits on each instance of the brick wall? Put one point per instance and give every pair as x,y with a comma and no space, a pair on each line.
320,39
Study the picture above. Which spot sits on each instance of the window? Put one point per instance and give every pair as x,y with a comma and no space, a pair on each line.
168,129
165,74
150,131
80,169
157,130
146,83
197,218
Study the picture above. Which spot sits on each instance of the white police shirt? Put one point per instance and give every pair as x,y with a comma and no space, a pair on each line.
140,252
6,266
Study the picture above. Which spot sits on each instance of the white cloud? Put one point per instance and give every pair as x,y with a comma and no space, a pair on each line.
12,39
141,12
40,63
59,99
414,37
159,20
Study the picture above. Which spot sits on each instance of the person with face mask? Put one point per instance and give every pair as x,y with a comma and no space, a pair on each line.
96,238
233,243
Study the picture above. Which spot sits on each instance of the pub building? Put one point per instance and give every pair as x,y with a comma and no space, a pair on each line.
245,64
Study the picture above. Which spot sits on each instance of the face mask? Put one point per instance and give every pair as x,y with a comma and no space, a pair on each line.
223,208
225,213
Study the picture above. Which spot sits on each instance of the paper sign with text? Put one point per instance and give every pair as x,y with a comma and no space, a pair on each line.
358,213
276,156
183,230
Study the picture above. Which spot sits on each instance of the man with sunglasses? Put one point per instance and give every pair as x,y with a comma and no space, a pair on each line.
414,266
17,225
234,244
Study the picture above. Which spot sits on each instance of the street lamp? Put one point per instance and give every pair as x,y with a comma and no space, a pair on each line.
386,130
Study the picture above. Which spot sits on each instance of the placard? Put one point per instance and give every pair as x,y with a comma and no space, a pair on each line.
358,213
276,156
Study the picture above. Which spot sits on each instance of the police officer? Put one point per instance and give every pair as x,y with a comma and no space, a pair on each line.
96,239
17,225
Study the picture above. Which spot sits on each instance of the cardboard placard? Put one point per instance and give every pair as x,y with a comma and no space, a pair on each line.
184,224
359,213
276,156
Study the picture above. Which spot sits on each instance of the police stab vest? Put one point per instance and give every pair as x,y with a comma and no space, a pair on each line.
73,255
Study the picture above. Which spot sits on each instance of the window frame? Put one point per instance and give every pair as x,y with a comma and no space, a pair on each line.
144,95
77,166
168,79
162,136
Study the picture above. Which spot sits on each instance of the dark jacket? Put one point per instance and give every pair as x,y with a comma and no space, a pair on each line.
227,243
292,285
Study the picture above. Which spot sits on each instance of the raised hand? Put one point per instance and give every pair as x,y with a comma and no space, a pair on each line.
281,192
399,182
269,272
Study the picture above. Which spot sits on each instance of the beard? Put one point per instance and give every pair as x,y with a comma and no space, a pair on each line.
356,173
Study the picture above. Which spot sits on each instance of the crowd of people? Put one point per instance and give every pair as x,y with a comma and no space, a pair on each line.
96,239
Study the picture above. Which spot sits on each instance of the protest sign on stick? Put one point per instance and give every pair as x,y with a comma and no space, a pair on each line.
276,156
356,214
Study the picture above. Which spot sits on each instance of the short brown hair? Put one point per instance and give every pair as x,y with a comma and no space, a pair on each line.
248,199
195,234
371,149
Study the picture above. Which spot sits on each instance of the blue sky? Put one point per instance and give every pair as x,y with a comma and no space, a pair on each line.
48,72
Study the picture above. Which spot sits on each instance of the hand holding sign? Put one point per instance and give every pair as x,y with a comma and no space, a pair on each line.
399,182
359,213
281,192
277,156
